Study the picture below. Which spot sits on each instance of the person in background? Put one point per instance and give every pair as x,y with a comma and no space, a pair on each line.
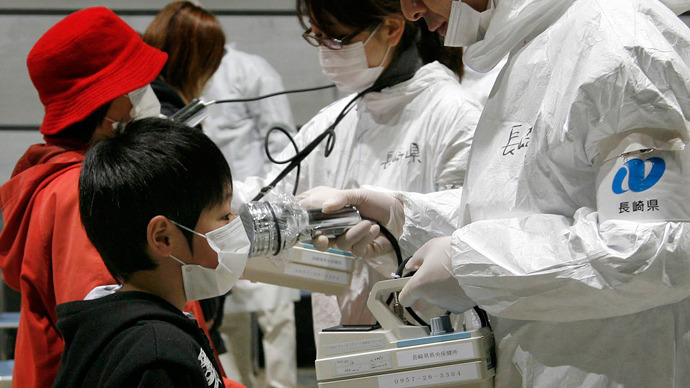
393,138
239,129
155,202
91,71
193,39
573,232
412,131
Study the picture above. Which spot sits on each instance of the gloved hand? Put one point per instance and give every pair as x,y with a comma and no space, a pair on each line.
363,239
434,281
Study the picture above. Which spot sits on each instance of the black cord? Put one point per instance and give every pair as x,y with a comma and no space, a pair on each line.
389,236
268,154
481,314
401,268
301,155
483,317
271,95
416,317
399,273
274,161
329,133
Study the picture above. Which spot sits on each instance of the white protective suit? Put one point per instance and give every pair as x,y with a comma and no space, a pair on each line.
479,84
413,136
579,295
239,130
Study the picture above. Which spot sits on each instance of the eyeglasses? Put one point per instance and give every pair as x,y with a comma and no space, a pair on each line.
331,43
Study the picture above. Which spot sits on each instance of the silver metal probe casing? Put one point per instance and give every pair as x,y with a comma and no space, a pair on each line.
332,224
274,227
193,113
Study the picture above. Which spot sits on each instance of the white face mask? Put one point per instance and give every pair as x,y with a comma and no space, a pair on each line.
232,246
467,25
144,104
348,68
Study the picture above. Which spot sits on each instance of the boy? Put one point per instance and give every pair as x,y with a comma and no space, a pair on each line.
155,202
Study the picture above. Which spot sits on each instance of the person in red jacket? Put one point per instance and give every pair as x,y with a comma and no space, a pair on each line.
92,71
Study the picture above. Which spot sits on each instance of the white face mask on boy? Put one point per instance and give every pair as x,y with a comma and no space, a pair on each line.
232,246
348,68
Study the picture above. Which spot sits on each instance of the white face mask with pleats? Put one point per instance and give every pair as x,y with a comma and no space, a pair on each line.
144,104
232,246
467,25
348,68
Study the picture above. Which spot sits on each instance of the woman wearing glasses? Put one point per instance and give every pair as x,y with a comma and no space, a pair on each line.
413,132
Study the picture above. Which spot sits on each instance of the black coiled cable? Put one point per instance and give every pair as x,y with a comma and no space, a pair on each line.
328,134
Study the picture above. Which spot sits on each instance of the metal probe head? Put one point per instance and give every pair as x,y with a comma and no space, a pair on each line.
193,113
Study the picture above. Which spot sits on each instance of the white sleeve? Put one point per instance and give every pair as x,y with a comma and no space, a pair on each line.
628,255
552,268
555,268
429,216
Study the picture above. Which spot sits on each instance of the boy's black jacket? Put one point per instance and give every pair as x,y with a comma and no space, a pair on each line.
132,339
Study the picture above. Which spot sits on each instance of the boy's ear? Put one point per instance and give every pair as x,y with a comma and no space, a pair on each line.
393,26
159,236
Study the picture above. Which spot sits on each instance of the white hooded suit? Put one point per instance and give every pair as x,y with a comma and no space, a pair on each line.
583,288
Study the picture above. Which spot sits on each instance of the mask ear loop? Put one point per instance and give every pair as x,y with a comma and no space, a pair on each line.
188,230
372,34
178,260
388,50
385,56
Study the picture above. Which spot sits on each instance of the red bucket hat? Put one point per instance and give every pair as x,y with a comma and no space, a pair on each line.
88,59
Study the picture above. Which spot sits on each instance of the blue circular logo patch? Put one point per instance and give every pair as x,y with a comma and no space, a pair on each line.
637,181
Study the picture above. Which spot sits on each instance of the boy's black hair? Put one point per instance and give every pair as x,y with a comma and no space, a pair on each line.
150,167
